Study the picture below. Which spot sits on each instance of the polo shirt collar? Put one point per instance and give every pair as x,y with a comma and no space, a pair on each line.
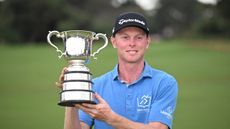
145,73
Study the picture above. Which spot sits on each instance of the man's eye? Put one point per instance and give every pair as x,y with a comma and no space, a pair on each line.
125,37
139,37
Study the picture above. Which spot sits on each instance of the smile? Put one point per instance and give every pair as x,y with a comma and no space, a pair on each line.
132,51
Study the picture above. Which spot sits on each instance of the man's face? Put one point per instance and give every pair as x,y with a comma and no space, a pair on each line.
131,43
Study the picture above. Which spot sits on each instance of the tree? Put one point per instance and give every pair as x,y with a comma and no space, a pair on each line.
223,10
174,16
214,19
27,20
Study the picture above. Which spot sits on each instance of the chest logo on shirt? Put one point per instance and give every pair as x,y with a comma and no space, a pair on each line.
143,103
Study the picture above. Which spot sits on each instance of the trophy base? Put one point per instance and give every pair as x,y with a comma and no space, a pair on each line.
71,103
71,97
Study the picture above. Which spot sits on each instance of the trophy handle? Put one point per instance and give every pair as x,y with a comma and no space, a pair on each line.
97,36
58,35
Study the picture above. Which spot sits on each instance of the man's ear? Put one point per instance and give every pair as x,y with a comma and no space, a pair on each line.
113,41
149,41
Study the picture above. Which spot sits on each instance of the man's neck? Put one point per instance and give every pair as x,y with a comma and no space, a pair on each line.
130,72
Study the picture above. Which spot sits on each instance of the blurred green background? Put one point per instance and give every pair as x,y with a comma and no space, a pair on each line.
29,97
190,41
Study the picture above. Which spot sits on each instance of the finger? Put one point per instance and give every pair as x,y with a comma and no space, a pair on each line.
90,111
77,106
92,115
61,77
91,106
86,109
58,84
99,98
64,69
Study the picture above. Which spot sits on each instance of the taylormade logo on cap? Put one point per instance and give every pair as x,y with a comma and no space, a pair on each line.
122,21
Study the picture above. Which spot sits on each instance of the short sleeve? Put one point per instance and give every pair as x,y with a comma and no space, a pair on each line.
86,118
164,104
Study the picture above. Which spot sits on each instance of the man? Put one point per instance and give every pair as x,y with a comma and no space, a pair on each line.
133,95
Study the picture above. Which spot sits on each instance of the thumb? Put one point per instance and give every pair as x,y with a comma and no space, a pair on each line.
99,98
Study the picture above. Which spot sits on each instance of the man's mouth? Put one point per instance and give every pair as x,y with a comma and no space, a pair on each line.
132,52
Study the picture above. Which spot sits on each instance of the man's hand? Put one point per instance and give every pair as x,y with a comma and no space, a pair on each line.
61,78
101,111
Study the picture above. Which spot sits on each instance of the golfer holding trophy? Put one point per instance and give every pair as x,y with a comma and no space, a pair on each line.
77,85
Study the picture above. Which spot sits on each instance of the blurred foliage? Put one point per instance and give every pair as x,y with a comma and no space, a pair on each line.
29,21
213,21
175,16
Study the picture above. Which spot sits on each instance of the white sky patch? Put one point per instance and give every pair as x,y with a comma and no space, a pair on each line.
117,3
147,4
213,2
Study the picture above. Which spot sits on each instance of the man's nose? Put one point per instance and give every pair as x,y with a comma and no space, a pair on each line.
132,42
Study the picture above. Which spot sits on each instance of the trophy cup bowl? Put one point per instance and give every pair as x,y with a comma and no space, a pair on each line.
77,84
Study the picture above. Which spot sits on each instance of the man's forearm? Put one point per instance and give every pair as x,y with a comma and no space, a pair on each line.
71,118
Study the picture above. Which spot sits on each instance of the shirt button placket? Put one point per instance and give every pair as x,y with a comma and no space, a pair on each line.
129,103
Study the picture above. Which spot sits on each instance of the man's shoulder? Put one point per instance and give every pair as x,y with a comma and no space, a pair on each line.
160,74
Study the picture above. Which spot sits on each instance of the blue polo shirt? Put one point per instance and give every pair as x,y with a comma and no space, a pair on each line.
151,98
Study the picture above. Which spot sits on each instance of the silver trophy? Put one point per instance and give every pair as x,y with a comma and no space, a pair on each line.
77,85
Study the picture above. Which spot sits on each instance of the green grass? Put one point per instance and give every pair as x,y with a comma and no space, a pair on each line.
28,96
